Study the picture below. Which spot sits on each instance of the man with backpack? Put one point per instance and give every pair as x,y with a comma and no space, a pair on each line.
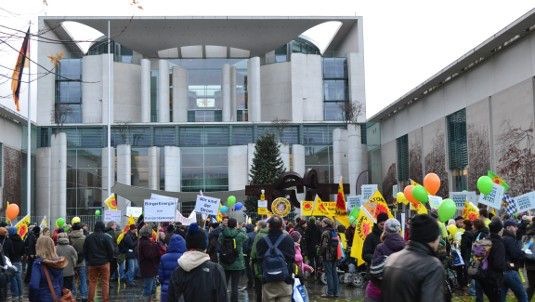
328,251
77,239
514,258
276,253
231,255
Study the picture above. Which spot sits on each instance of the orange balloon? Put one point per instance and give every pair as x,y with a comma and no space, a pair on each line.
408,194
432,183
12,211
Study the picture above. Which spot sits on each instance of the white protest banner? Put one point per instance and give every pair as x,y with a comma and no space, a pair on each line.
525,202
262,203
159,210
367,191
134,211
207,205
112,215
185,221
434,201
494,198
353,201
460,197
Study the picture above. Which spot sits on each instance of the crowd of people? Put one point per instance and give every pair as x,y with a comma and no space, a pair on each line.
215,258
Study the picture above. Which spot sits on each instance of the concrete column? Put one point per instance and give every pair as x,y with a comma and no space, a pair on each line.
180,95
354,162
42,178
285,155
92,93
237,167
105,87
225,91
233,101
163,91
145,91
250,157
339,154
154,168
124,172
172,173
253,89
104,165
58,176
355,79
298,155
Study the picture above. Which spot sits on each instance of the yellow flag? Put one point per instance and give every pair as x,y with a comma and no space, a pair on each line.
379,205
307,207
363,227
22,226
413,183
44,223
111,202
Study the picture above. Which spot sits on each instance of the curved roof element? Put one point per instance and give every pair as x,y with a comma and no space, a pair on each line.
203,52
259,35
84,36
322,34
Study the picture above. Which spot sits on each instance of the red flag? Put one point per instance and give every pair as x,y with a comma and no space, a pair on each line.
19,67
341,200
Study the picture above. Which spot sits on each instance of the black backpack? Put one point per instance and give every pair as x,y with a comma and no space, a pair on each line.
274,267
229,251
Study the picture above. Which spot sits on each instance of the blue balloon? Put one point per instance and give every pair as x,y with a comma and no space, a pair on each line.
238,206
223,209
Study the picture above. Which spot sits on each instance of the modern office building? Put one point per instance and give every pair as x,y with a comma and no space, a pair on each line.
474,115
189,97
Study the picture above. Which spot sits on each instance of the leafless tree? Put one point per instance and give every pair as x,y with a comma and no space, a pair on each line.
478,154
435,161
60,114
389,181
352,111
415,162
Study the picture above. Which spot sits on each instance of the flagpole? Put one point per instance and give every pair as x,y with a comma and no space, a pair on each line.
110,58
29,142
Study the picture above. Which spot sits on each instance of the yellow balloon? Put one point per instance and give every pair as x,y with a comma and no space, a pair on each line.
452,230
421,209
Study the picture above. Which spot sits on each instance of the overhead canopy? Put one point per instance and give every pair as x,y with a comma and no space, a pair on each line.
148,35
138,194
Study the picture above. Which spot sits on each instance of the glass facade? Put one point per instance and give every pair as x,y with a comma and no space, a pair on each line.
204,168
84,180
335,88
320,159
120,53
68,105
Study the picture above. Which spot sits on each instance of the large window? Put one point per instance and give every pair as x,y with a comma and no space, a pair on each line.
457,149
402,144
335,88
68,107
320,159
84,180
204,168
140,167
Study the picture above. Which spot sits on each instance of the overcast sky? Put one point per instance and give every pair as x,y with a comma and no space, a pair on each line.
405,42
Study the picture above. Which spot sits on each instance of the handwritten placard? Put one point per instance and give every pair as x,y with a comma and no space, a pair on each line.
353,201
112,215
160,210
525,202
494,198
367,191
207,205
460,197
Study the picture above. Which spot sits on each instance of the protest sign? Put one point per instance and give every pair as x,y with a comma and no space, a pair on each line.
134,211
395,190
434,201
525,202
112,215
367,191
159,210
494,198
262,203
207,205
460,197
353,201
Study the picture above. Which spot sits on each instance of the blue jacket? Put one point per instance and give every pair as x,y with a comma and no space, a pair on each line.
39,291
168,263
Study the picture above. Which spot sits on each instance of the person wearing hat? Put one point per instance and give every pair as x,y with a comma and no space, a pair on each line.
64,249
256,260
149,260
493,280
328,252
231,240
197,279
77,240
312,240
415,273
98,252
16,259
391,242
374,238
29,244
514,257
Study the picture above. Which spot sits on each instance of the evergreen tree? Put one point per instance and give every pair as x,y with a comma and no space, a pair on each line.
267,166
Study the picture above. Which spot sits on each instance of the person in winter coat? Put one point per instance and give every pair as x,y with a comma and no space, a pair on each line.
467,239
98,252
514,257
302,267
247,246
373,239
168,263
261,232
149,260
493,280
391,242
233,238
415,273
213,240
312,242
197,279
110,230
530,259
129,246
3,263
77,240
16,260
46,259
328,253
29,244
64,249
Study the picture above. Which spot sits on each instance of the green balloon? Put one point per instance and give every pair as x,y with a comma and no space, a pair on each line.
446,210
60,222
420,194
231,201
484,184
97,212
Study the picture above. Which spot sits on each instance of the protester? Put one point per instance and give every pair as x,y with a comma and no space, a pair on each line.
128,246
98,252
530,259
197,279
168,263
4,280
77,240
110,230
149,261
46,262
312,241
276,287
302,267
64,249
514,257
231,255
373,239
328,251
492,282
29,245
15,256
466,251
256,260
247,246
414,273
391,242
